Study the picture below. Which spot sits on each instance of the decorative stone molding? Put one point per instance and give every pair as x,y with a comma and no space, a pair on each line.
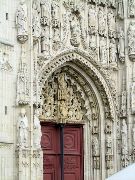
94,70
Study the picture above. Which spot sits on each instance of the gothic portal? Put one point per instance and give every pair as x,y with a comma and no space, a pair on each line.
67,88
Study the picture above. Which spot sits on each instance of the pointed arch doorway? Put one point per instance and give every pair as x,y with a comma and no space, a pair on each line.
75,92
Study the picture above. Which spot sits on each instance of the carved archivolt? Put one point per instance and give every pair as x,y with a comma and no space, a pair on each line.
93,69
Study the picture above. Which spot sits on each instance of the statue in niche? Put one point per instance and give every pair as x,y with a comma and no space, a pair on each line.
45,41
102,18
92,43
95,146
103,51
75,31
123,112
111,24
23,130
108,127
36,28
131,40
37,130
121,45
124,138
102,2
120,9
109,146
131,8
22,22
45,13
62,87
92,19
112,52
56,39
55,10
133,98
22,85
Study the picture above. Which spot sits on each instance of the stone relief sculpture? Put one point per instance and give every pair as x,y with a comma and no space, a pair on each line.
131,40
36,29
123,111
124,137
23,130
112,52
45,12
22,85
131,8
103,51
95,146
111,24
92,42
121,45
37,131
120,9
22,22
75,30
92,19
45,41
102,18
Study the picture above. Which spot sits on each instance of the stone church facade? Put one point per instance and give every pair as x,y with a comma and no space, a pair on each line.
67,88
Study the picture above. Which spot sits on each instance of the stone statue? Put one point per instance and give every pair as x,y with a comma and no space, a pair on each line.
92,18
103,51
45,12
131,40
55,14
36,28
75,31
45,40
56,39
23,130
131,8
124,137
120,9
109,146
112,52
102,21
92,42
95,146
22,85
22,22
111,24
37,130
121,46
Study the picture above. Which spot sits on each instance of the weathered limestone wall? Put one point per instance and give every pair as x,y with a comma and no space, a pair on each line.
31,36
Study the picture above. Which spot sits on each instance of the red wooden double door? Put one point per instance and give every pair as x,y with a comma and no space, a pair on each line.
73,152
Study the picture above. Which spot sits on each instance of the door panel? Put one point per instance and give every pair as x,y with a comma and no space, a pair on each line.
73,154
